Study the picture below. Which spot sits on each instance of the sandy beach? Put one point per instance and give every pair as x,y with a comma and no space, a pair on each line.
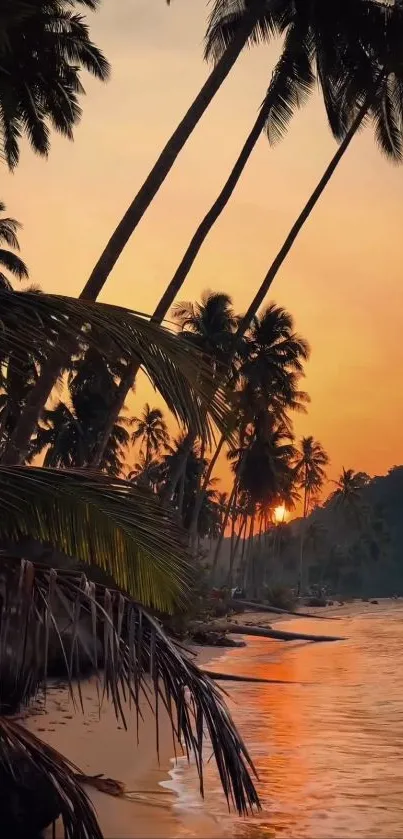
97,743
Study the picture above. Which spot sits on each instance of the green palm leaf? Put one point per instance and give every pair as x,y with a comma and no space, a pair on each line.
178,370
99,520
137,659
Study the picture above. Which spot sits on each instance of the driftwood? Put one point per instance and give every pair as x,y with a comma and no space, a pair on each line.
260,607
107,785
261,632
227,677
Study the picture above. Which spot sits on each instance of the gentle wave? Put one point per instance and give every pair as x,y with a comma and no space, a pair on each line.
328,749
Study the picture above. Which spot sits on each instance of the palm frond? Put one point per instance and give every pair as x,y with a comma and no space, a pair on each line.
176,369
292,82
35,768
138,659
100,520
14,264
229,17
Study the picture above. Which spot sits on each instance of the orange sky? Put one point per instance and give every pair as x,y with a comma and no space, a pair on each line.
342,281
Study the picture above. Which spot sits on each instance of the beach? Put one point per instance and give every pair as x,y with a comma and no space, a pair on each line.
308,739
99,744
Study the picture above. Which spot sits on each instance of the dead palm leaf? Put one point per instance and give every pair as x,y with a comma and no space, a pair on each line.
38,768
138,659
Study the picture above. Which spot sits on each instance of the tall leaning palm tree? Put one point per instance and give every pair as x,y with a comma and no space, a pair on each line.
361,82
353,44
309,53
151,430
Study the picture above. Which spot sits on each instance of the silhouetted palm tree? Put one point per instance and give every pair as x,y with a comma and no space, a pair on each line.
310,474
361,76
151,430
209,326
43,54
9,260
348,492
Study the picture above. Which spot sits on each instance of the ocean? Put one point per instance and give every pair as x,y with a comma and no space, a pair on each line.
328,749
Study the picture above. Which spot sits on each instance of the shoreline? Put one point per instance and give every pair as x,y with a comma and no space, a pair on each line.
99,744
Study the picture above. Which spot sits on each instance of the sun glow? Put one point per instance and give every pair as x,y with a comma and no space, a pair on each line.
280,513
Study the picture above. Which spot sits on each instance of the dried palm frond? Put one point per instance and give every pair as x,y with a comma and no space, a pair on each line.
138,660
99,520
36,774
47,322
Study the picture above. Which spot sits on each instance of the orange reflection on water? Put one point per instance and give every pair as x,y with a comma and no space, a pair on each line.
329,748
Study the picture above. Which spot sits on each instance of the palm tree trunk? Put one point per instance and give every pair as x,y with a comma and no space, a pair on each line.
225,522
178,468
215,210
233,555
202,490
181,496
167,158
302,218
302,538
183,269
249,555
195,519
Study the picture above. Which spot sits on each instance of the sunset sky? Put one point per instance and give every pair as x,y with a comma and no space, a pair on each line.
342,281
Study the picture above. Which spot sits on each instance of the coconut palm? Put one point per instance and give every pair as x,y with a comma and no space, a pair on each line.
271,359
177,370
310,470
209,326
151,430
348,492
310,473
9,260
42,60
68,438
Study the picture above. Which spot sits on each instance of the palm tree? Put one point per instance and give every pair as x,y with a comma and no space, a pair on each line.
150,428
42,58
348,492
309,468
361,80
68,438
9,260
271,359
310,474
292,82
209,326
177,370
110,524
98,520
358,56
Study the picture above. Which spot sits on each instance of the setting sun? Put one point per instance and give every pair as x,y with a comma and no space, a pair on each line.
280,513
